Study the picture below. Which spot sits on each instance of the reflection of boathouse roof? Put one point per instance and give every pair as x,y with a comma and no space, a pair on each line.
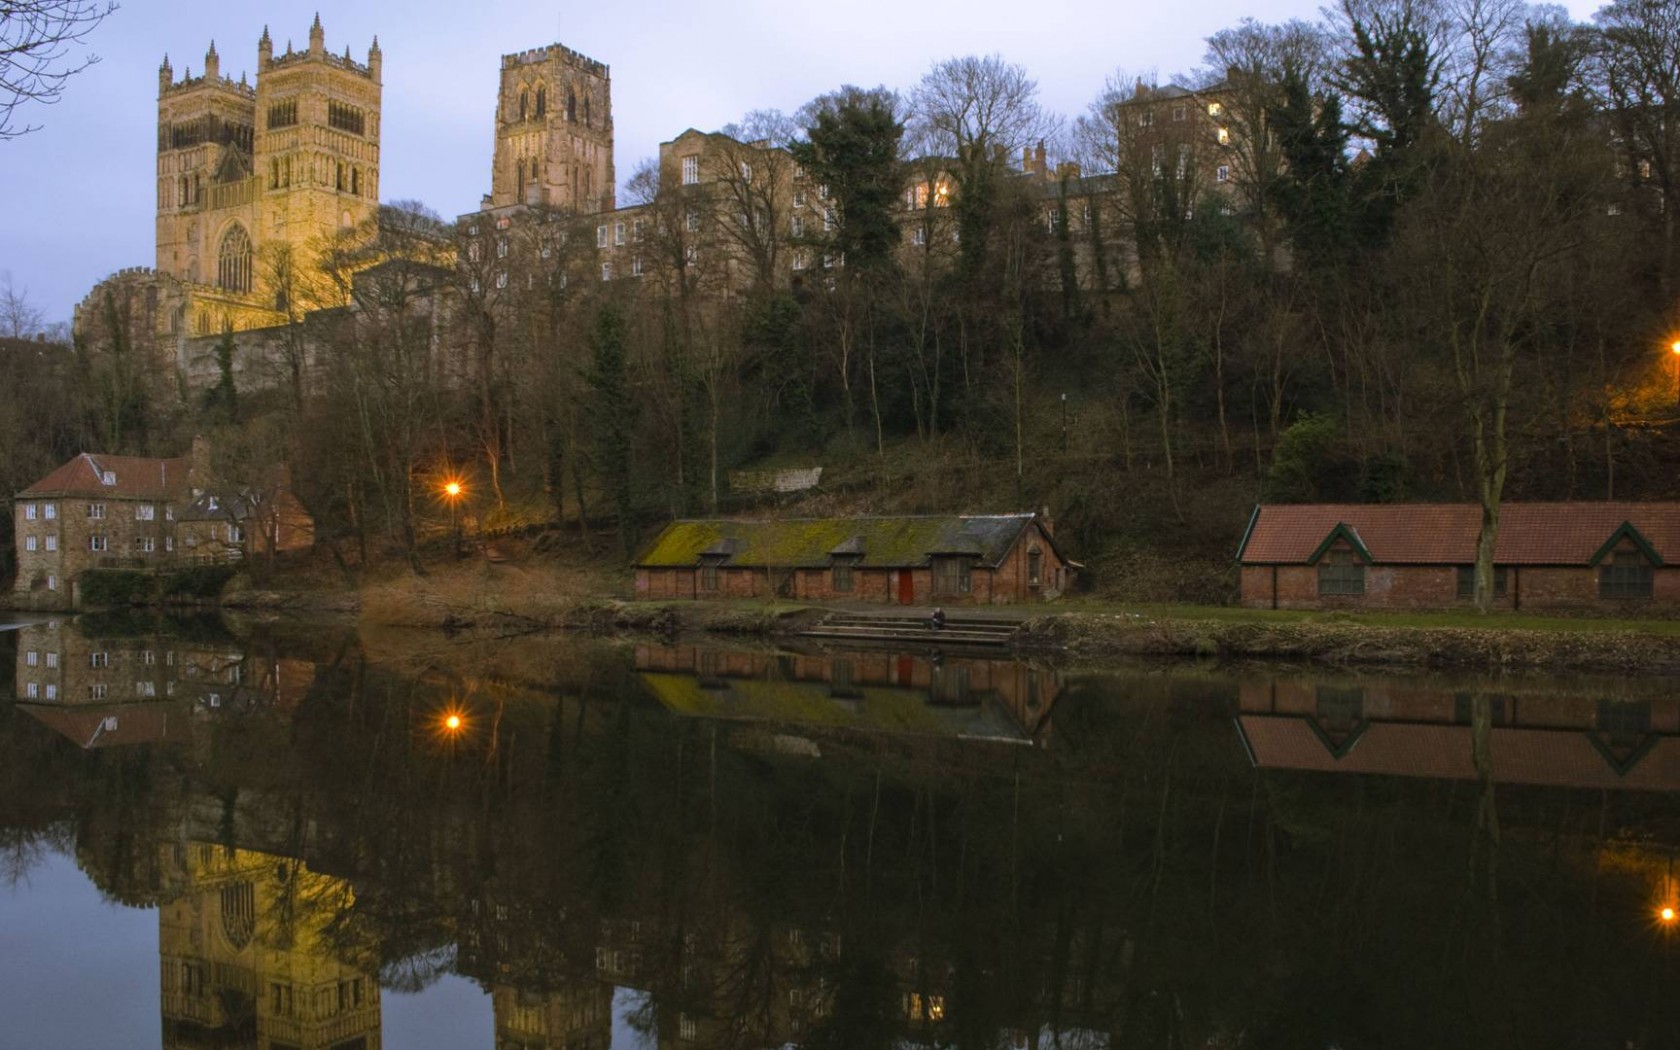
889,709
1558,757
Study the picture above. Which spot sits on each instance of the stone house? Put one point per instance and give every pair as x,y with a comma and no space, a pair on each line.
132,512
1613,557
95,511
908,560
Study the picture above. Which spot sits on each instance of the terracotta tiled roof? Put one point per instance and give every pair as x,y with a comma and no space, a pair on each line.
132,477
110,725
1520,756
1445,533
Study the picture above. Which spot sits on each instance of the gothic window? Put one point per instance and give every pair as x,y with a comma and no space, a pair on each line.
542,100
586,121
356,182
233,262
571,105
519,178
524,103
181,197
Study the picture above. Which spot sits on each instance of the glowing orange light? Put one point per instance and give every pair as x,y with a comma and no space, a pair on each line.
1675,346
1667,914
452,723
452,489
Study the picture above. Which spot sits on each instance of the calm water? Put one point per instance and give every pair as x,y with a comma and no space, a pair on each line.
327,841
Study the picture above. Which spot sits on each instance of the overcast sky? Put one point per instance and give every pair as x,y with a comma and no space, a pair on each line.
79,197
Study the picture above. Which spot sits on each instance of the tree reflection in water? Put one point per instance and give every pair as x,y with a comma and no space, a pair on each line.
867,876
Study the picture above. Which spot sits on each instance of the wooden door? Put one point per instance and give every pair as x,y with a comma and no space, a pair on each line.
906,587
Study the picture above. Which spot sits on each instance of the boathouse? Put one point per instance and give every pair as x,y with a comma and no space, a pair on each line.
906,560
1616,557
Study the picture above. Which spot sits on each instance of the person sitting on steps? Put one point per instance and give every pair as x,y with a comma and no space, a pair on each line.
936,622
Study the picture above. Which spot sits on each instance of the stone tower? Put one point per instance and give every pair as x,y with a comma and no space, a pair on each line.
554,135
243,170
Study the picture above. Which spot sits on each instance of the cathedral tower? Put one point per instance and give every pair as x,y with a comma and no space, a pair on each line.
243,170
554,135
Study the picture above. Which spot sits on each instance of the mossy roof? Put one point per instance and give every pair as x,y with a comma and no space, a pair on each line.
795,543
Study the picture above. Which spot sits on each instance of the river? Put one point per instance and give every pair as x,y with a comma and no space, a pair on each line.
299,839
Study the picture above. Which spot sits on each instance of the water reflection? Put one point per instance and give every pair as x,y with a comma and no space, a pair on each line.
1616,734
609,849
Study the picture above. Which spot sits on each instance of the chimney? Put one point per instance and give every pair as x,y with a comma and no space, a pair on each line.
198,464
1045,522
1139,90
1039,165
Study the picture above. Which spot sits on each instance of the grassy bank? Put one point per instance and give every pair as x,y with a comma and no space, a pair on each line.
572,592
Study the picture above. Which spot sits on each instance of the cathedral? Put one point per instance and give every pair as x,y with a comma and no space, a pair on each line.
256,179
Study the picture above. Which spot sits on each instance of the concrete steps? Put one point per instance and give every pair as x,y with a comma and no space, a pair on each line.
888,627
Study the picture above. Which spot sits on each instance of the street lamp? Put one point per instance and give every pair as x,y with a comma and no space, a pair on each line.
452,490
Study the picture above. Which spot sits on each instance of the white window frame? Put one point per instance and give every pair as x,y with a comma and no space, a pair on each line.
691,170
618,234
601,236
29,543
99,658
96,511
52,541
52,659
32,658
29,511
1222,173
99,543
797,226
52,691
145,512
49,511
32,690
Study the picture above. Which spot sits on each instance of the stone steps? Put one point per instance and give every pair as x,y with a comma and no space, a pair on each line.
862,627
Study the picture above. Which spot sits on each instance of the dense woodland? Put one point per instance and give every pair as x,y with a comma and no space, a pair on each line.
1443,267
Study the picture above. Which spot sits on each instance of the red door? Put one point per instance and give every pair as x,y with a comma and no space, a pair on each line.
906,587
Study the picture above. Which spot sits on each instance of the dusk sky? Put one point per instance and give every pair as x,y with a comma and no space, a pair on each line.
79,193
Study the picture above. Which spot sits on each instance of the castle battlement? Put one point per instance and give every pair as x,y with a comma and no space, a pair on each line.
344,62
544,54
189,83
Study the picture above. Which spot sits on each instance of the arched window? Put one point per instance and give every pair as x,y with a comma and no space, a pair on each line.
524,102
586,122
571,105
519,180
542,100
355,182
181,197
233,261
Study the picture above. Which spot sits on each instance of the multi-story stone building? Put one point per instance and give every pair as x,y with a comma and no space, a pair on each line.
130,512
95,511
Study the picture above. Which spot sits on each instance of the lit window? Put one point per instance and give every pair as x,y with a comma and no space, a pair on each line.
690,170
1224,136
1214,109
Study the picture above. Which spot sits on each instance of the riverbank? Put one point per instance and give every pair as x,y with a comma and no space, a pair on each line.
518,599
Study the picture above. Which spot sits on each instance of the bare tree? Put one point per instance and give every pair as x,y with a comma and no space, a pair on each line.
36,40
19,318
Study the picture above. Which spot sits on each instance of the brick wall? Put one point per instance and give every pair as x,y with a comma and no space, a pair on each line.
1529,588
